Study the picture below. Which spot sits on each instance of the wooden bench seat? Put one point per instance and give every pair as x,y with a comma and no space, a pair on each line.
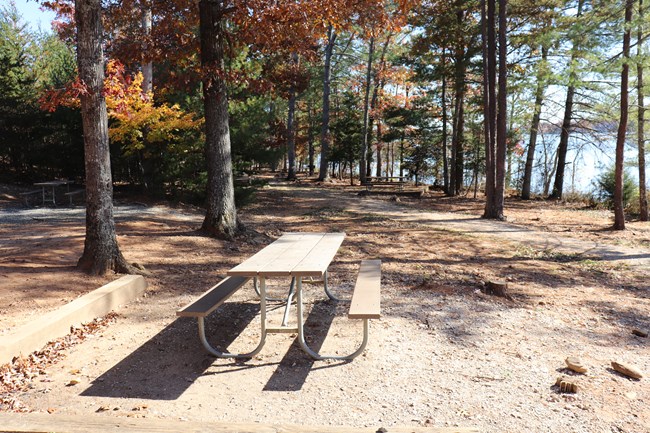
365,302
71,194
365,305
210,301
387,181
213,298
27,194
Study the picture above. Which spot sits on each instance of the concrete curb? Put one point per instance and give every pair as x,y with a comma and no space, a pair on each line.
34,335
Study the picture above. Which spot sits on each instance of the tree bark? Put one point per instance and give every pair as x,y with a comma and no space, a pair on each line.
221,216
101,251
291,130
445,161
147,65
310,139
489,103
619,211
363,173
643,194
534,126
563,146
502,115
325,127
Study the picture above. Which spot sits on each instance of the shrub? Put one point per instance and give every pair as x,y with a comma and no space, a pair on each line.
605,184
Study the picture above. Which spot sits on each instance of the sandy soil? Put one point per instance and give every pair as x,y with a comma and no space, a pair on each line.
443,354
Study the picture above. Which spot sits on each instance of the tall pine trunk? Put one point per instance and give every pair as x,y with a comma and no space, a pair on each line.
502,115
534,125
563,146
101,251
489,103
619,211
291,129
643,195
363,170
445,159
221,215
310,138
325,127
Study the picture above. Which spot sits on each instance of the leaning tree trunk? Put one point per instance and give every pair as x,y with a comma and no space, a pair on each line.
534,126
563,146
221,215
643,195
101,251
325,127
619,214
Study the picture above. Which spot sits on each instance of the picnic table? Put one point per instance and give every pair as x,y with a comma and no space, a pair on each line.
385,180
298,256
43,190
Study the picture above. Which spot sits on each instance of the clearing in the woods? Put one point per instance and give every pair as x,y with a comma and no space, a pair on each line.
445,353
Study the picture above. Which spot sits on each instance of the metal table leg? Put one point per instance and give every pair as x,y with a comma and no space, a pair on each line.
301,333
263,331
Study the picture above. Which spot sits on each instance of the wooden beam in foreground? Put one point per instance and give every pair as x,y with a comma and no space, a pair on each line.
44,423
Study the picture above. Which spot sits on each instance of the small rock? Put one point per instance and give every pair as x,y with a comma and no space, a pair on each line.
640,333
627,370
573,363
566,385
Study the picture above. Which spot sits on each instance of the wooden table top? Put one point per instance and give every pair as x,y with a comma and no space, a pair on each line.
293,254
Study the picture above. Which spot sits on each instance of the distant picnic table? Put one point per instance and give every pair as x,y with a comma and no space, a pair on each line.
398,181
48,196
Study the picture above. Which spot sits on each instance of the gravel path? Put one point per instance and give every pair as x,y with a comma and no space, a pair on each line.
470,224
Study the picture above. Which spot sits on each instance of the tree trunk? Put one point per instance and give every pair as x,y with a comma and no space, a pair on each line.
101,251
502,115
458,142
310,139
458,121
363,173
563,146
534,126
379,148
496,116
619,211
147,65
221,215
643,195
325,128
291,133
489,103
445,162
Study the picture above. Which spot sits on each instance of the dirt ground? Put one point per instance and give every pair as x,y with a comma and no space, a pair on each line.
443,354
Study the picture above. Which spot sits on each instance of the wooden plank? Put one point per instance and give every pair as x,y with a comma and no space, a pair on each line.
45,423
252,265
319,258
366,297
212,298
35,334
283,265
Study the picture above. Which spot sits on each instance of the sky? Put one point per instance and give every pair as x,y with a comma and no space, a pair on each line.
31,13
